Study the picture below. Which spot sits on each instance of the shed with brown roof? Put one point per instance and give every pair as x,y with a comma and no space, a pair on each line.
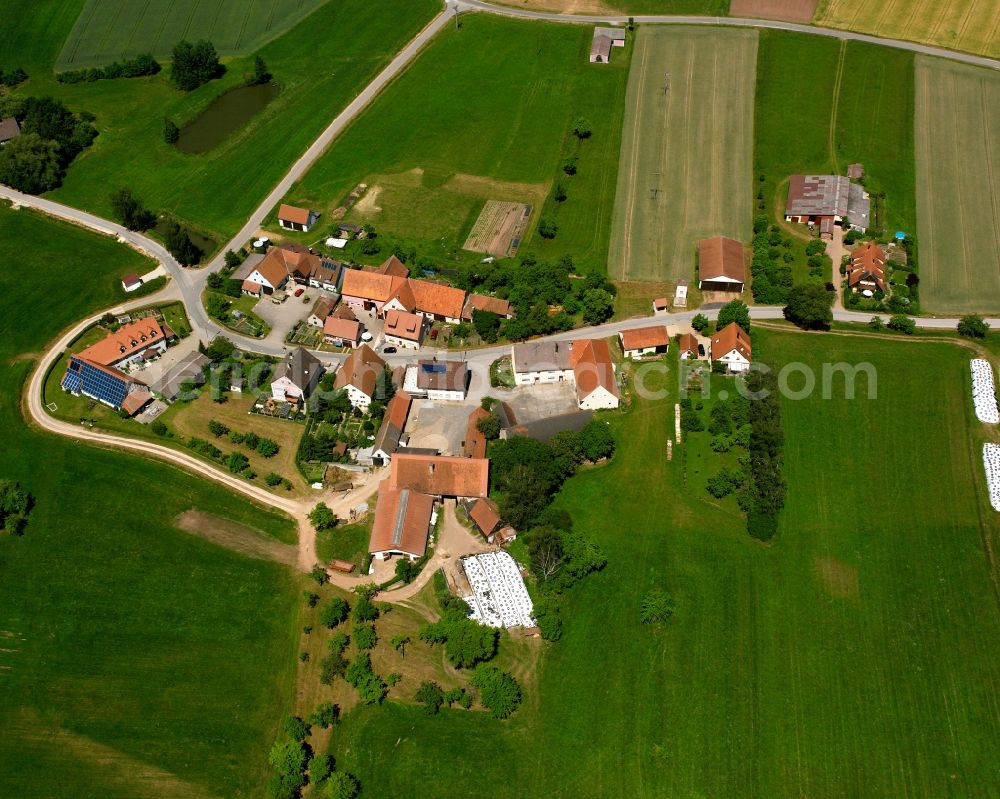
393,423
474,445
441,475
9,129
721,264
481,302
402,522
652,340
292,217
486,516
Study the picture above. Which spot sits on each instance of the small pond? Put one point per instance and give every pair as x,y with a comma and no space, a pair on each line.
225,115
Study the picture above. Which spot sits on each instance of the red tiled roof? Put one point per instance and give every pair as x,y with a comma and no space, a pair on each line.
252,288
370,285
486,515
361,370
867,263
131,280
592,367
393,266
689,343
721,257
127,340
136,400
402,520
475,442
480,302
660,303
731,337
403,325
398,409
437,299
440,475
291,213
643,337
345,329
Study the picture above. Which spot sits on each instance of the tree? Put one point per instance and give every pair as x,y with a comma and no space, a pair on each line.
487,325
700,323
311,598
569,165
30,164
180,245
318,573
171,133
194,64
332,666
657,607
489,426
320,767
295,728
581,128
341,785
734,311
399,643
598,305
130,210
334,612
273,479
365,636
430,696
237,462
810,306
260,73
267,447
498,690
217,429
902,323
973,326
596,440
547,227
559,193
545,547
364,609
158,427
405,570
322,518
15,503
325,715
876,323
288,758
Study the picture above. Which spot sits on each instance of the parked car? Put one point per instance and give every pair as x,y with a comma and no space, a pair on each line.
298,291
388,350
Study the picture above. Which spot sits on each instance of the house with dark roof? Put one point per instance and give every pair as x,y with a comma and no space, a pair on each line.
321,309
360,376
443,380
297,376
602,42
190,369
721,264
105,384
9,130
585,362
731,346
827,200
291,217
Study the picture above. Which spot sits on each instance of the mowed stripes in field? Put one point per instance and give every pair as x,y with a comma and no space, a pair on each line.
687,149
957,135
970,25
109,30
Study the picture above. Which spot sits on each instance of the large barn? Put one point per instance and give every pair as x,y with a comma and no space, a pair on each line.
721,265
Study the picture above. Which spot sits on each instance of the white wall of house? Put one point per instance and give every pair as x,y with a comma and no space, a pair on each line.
549,376
735,362
259,279
636,354
405,343
358,397
442,395
391,552
598,399
283,387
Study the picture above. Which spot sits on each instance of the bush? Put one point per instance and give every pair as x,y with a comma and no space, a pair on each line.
130,210
334,612
902,323
498,690
171,133
325,715
194,64
700,323
973,326
876,323
158,428
273,479
365,636
430,696
547,227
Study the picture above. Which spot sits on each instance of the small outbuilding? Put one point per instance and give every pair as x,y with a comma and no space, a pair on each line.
9,130
604,39
291,217
644,341
131,282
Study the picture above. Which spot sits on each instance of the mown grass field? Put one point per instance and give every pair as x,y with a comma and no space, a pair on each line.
217,190
957,127
484,113
850,657
970,25
136,660
685,167
107,30
856,107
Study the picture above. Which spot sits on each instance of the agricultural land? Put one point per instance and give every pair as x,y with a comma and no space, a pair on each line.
485,113
970,25
687,148
958,176
315,81
746,694
130,649
107,30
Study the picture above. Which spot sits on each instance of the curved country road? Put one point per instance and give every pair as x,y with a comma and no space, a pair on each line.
188,284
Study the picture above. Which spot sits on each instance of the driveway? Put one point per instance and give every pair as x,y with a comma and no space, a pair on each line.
541,401
836,250
439,425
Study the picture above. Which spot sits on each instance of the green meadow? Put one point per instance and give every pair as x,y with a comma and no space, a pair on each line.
486,112
215,192
135,660
850,657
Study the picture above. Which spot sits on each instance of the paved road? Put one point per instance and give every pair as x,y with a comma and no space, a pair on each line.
742,22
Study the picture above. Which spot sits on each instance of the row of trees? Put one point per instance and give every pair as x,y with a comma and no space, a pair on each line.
771,266
138,67
581,131
265,446
296,765
13,78
51,137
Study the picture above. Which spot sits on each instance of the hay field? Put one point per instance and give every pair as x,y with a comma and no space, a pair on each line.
957,131
107,30
687,149
970,25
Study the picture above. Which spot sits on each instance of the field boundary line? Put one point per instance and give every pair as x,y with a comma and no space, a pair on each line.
990,168
835,106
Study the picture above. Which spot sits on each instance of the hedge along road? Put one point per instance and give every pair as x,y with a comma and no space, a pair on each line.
190,283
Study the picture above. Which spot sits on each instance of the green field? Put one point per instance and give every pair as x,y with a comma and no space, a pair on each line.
857,106
484,113
687,146
109,30
851,657
136,661
217,191
958,171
